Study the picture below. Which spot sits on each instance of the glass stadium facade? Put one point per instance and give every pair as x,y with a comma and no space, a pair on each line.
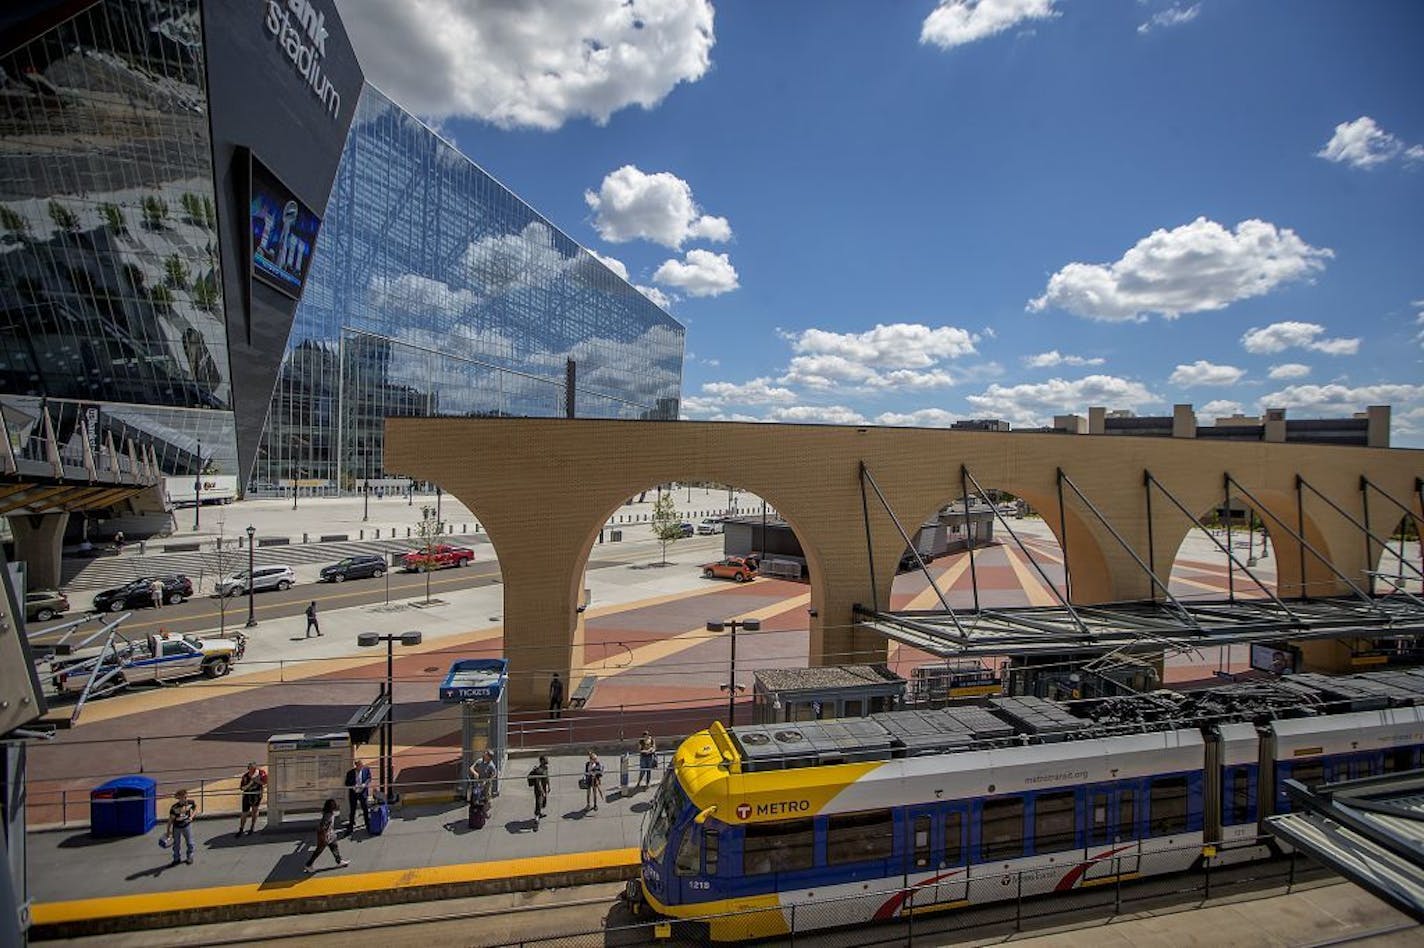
125,294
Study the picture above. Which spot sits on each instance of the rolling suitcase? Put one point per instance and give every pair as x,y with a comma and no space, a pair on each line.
380,816
477,816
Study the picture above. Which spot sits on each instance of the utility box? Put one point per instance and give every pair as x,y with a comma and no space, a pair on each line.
480,687
304,771
124,806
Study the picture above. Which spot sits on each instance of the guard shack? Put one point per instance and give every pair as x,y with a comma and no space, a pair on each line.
782,695
304,771
479,686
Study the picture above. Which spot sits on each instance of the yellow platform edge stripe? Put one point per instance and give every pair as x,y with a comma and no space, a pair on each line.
325,885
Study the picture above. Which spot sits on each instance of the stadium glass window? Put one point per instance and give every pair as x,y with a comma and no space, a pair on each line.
1001,828
859,837
921,833
953,838
783,846
1167,806
1054,822
1126,814
687,853
711,842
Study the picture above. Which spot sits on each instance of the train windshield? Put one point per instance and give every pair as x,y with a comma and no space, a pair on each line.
669,802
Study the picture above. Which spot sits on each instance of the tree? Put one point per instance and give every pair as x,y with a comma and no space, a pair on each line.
176,270
114,217
14,222
667,522
63,217
430,529
161,298
155,212
223,561
205,291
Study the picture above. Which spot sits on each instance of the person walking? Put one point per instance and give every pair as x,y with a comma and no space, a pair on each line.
539,780
119,541
155,589
250,785
647,760
311,619
358,793
326,835
180,825
556,697
592,781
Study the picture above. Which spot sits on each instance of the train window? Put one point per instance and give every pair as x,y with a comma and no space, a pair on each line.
711,842
1167,806
921,831
1126,814
858,837
1054,821
687,854
1098,818
1236,797
1001,828
783,846
852,710
1310,774
953,838
1362,765
1398,758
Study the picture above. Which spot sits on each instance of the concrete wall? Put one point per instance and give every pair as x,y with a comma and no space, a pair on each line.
544,487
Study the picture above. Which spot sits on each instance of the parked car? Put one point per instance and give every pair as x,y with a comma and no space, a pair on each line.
686,529
709,527
737,568
354,567
139,593
159,656
439,556
912,560
263,579
41,605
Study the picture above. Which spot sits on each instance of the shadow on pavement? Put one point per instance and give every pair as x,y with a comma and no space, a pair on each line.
287,870
85,840
530,825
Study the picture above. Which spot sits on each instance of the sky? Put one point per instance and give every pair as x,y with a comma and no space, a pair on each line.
914,212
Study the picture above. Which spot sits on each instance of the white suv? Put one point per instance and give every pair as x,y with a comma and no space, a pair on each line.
709,527
263,578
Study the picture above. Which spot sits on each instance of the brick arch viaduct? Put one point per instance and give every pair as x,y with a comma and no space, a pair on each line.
544,487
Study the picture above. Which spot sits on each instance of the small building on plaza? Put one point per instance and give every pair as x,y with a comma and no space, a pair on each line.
783,695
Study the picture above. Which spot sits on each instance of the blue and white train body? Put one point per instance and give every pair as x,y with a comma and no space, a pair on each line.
853,821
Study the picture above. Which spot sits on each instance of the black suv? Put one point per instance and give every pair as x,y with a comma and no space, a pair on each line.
354,567
139,593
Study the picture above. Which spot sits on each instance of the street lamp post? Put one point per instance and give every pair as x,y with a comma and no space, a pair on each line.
366,500
751,625
251,615
388,731
198,488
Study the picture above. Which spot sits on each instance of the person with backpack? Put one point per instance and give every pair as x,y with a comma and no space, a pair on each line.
250,785
326,835
592,781
539,781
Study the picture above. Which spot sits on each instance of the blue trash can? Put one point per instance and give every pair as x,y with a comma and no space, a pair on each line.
125,806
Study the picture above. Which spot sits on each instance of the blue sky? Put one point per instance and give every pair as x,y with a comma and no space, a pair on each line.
913,212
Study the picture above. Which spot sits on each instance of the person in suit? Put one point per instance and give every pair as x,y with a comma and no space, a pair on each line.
358,793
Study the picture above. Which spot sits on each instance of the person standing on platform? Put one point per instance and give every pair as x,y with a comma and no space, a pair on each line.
311,619
358,792
647,760
180,825
539,780
326,835
250,785
485,776
592,781
556,697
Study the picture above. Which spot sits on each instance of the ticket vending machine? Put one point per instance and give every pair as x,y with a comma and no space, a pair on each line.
304,771
479,686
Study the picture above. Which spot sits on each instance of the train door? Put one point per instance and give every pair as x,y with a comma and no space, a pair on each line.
1112,831
934,849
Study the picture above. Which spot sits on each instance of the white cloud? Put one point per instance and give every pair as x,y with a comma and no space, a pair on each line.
817,415
658,297
956,22
759,391
1035,403
1221,408
833,371
536,63
1288,370
528,258
415,294
612,263
699,273
1172,16
1047,360
1340,400
1196,267
659,207
1202,372
1363,144
897,345
1278,337
921,418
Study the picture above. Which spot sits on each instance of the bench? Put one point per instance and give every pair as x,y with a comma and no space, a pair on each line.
583,692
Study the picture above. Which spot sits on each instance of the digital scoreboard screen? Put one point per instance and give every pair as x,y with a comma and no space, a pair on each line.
283,233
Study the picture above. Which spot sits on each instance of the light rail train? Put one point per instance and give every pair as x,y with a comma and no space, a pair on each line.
920,811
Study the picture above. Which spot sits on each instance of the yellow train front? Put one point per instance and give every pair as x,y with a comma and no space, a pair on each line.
775,828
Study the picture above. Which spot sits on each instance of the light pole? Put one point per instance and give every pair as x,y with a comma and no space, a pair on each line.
251,615
198,488
388,731
751,625
366,500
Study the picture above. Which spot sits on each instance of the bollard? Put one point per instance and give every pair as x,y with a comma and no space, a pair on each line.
378,533
304,538
361,534
623,772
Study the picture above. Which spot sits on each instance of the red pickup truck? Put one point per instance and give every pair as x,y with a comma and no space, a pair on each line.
438,556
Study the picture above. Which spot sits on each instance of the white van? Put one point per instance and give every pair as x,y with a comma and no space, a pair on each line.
263,578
